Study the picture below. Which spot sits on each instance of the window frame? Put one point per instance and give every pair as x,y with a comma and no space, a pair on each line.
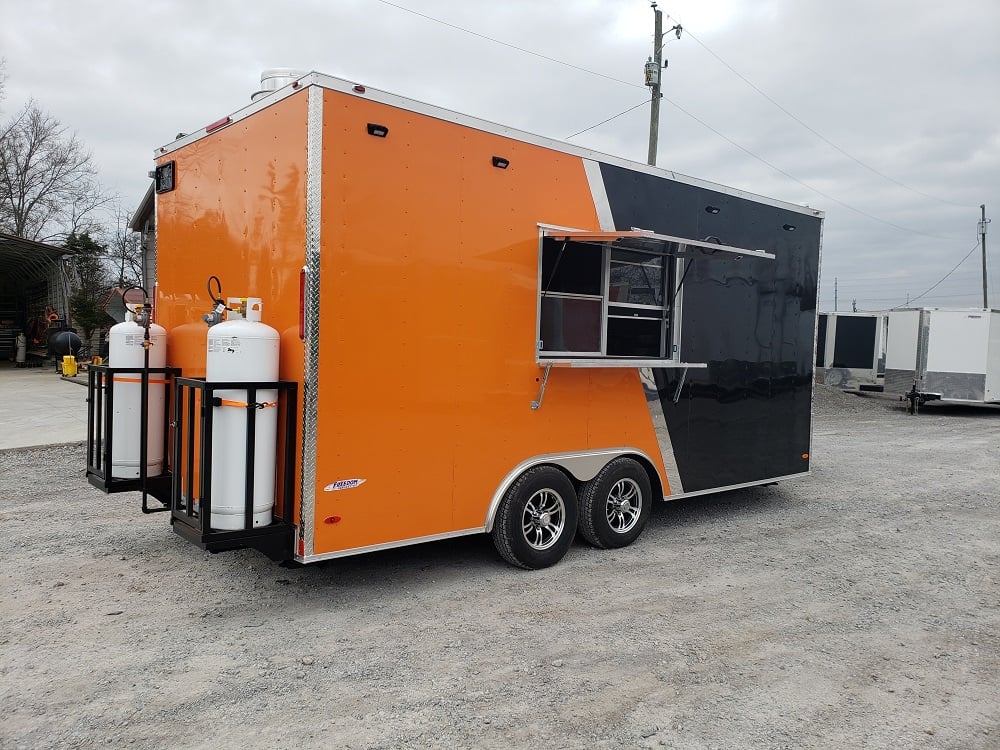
675,253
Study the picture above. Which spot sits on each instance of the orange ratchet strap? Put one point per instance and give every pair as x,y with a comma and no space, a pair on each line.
244,404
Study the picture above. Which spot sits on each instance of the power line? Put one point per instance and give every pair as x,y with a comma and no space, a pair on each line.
613,117
815,132
872,304
930,289
675,104
805,184
509,45
963,276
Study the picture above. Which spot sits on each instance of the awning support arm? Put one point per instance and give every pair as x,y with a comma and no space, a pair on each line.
541,391
680,385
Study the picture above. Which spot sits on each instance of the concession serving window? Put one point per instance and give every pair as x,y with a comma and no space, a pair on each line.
609,299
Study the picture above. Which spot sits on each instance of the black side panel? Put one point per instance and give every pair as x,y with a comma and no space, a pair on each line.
855,343
821,341
747,417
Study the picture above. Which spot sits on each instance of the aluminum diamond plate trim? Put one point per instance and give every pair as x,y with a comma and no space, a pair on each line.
310,390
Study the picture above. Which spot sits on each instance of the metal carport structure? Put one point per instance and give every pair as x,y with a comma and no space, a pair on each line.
32,280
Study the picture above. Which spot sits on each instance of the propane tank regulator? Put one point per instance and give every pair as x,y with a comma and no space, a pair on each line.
141,315
215,316
142,312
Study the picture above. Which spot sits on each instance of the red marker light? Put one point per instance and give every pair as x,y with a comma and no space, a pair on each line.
331,519
218,124
359,88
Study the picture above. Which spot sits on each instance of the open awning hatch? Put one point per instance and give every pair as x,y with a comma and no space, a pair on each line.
644,241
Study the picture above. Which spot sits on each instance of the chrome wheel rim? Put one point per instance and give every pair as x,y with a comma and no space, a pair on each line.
544,519
623,506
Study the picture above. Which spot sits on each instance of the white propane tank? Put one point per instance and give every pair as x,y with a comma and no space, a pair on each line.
126,349
242,350
22,350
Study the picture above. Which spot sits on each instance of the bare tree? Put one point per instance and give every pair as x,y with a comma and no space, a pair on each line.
125,251
48,183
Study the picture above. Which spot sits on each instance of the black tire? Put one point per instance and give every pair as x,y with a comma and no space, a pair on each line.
615,505
537,519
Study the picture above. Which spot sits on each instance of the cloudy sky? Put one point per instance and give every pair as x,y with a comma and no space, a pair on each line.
883,113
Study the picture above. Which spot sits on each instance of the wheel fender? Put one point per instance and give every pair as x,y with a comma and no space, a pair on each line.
581,466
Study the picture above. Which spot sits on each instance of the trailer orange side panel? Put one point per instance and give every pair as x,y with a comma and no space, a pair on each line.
428,294
238,213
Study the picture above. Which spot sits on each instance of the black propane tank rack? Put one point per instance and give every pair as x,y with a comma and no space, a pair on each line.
100,432
194,402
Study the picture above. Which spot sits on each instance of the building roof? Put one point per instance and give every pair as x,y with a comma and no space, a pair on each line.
144,209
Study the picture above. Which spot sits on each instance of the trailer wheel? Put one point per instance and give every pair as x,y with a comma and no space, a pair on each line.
537,519
615,505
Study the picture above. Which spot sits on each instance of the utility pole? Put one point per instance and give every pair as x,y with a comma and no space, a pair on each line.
654,66
835,294
982,241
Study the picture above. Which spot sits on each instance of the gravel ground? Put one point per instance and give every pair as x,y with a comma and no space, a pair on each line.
856,608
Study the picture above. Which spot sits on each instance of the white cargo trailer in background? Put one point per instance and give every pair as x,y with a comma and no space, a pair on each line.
935,353
850,350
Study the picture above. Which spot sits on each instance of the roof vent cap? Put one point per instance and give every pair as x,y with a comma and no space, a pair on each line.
273,79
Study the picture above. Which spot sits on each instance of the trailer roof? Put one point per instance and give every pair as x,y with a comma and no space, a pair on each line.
371,94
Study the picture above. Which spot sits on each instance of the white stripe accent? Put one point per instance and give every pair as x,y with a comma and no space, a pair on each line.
600,195
662,433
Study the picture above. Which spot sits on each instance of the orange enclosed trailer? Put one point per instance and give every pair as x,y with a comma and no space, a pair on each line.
479,330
